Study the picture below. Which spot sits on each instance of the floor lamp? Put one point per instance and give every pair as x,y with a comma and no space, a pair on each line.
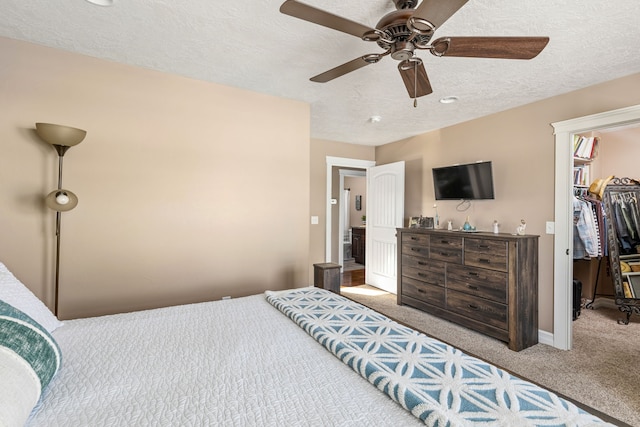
61,138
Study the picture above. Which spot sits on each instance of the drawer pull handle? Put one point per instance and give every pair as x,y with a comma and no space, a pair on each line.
415,249
473,273
422,291
483,246
484,260
422,263
414,238
422,275
444,254
474,307
474,288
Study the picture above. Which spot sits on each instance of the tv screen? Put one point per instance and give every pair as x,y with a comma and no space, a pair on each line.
473,181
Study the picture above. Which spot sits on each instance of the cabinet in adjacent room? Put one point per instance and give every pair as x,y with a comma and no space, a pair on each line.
358,244
484,281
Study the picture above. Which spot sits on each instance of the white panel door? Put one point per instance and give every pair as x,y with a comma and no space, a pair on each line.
385,213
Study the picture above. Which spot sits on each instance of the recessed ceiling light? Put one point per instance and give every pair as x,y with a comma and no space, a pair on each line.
375,119
102,2
449,99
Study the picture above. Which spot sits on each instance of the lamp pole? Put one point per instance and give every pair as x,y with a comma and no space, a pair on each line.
61,138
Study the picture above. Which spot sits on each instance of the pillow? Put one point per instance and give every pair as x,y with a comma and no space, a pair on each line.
12,291
29,359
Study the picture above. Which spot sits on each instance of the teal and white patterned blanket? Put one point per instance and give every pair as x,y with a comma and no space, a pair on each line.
436,382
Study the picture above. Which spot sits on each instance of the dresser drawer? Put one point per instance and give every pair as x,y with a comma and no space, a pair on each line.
489,312
451,255
497,247
486,253
415,249
486,260
433,275
415,239
488,284
426,292
422,264
446,248
444,241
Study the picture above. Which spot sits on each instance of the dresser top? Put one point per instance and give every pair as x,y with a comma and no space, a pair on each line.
483,234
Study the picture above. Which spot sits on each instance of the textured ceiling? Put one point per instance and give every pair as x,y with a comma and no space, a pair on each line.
250,44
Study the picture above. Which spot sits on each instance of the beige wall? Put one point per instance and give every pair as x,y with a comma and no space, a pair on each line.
520,143
358,186
618,154
189,191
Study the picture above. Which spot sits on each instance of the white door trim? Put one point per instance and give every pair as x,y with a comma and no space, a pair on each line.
563,239
340,162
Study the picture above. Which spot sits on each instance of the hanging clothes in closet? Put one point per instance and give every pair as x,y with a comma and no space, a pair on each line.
627,221
589,239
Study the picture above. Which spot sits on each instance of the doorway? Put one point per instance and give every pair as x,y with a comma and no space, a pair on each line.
563,239
352,207
332,232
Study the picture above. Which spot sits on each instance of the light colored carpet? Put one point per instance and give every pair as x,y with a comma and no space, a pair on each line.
601,371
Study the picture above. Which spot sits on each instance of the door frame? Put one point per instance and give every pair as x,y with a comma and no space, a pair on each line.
563,238
339,162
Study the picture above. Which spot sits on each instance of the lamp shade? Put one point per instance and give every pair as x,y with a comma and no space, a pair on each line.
61,200
59,134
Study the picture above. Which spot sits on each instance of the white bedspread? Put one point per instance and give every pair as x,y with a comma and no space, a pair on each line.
238,362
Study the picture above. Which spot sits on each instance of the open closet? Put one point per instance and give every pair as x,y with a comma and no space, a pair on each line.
613,153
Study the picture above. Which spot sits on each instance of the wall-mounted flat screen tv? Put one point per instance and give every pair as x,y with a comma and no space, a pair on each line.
473,181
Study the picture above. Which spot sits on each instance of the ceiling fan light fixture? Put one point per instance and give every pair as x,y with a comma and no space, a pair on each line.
441,46
420,26
105,3
375,119
449,99
371,58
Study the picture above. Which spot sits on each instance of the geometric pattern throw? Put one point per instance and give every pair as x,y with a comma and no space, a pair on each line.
438,383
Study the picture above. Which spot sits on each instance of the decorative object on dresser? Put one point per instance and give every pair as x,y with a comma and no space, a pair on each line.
485,281
61,138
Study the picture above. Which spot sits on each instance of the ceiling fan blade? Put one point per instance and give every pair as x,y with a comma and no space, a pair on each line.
326,19
438,11
341,70
419,85
490,47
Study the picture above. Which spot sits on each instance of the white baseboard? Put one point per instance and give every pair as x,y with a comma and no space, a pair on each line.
545,337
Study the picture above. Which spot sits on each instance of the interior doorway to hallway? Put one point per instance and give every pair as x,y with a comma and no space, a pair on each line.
334,237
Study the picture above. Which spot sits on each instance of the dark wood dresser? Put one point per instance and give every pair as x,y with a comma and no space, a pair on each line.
484,281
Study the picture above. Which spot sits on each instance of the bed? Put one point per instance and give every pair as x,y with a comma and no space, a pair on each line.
299,357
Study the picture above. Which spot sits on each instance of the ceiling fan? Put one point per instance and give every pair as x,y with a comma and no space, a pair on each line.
409,28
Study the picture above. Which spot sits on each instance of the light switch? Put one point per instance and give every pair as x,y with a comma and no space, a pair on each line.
314,220
551,227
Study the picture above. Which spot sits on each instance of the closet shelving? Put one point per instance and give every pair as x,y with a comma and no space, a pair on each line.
585,150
